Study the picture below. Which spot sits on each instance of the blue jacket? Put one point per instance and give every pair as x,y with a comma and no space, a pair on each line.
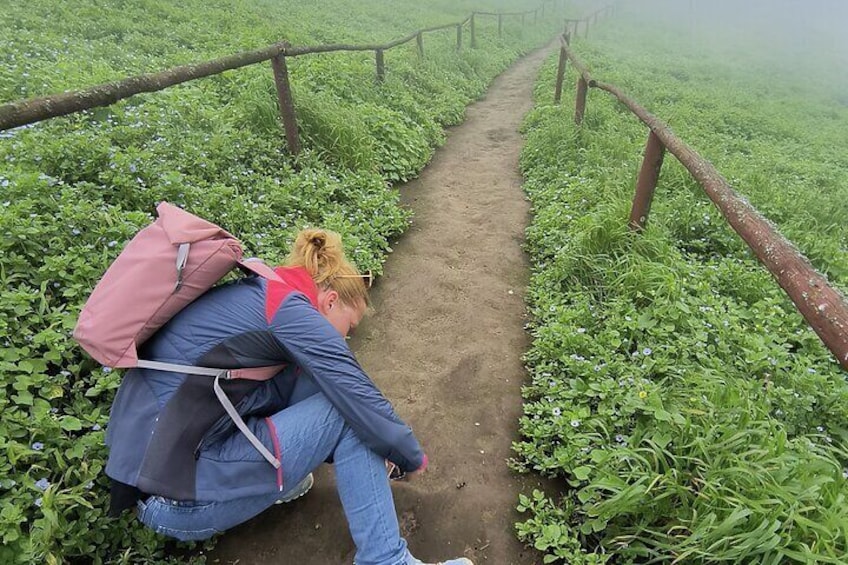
164,425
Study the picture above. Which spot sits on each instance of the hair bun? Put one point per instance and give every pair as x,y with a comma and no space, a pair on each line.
319,240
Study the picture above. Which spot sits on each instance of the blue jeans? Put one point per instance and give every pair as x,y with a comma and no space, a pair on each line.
310,431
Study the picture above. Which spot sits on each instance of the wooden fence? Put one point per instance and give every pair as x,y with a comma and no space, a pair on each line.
33,110
823,306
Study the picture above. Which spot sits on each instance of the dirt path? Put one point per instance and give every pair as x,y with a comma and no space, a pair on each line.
445,346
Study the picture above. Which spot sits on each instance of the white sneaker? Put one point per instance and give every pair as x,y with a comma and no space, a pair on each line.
460,561
299,490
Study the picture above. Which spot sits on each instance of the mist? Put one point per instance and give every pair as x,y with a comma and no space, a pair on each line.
799,40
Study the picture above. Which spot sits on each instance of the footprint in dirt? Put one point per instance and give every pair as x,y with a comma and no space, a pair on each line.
498,135
408,523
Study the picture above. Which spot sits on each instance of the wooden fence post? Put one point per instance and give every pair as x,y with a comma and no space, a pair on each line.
284,96
586,29
580,106
473,33
459,37
647,182
560,74
419,39
500,25
381,67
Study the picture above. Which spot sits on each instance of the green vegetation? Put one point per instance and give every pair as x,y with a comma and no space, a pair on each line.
73,190
683,409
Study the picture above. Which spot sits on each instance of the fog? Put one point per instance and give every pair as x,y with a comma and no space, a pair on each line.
803,40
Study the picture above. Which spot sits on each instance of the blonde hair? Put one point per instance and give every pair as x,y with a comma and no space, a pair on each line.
321,253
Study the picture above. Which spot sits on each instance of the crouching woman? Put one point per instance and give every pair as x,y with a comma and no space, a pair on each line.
178,457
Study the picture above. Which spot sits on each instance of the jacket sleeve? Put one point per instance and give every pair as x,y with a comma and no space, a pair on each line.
319,350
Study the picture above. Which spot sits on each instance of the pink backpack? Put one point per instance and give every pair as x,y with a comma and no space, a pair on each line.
162,269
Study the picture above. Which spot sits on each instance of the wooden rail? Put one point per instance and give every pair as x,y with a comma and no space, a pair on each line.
33,110
824,307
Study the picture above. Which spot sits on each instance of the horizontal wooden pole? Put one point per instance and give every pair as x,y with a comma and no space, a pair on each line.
503,13
34,110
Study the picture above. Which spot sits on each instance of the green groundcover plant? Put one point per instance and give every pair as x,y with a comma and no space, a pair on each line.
73,190
681,407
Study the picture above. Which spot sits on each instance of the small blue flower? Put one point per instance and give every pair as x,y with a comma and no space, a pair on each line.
42,484
107,369
95,428
89,485
38,446
575,423
556,411
647,351
38,502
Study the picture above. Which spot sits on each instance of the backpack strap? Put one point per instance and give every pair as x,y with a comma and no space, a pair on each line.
247,373
250,373
234,416
260,268
176,368
182,261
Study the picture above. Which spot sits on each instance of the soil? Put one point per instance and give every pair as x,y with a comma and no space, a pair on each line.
444,345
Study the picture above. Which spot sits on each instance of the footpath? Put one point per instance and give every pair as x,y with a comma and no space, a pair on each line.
444,344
